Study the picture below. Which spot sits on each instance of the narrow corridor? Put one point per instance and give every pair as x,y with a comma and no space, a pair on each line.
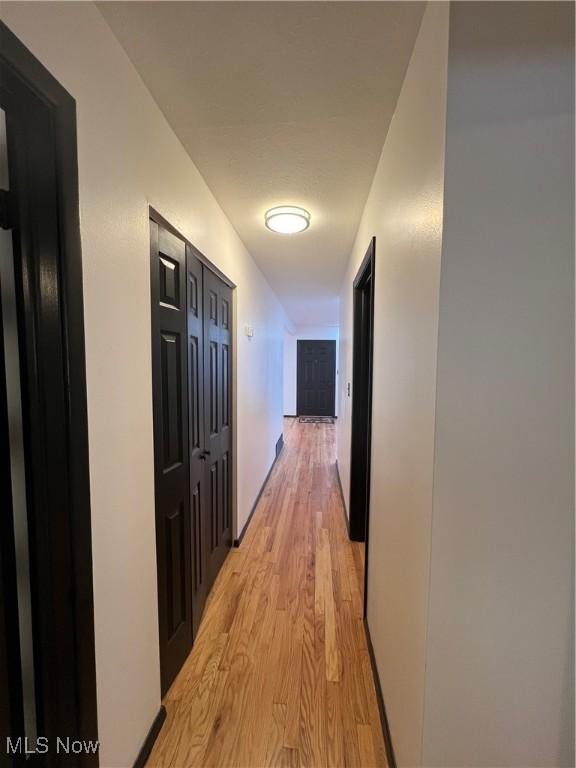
280,672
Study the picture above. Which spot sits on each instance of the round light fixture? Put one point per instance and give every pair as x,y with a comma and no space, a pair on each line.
287,219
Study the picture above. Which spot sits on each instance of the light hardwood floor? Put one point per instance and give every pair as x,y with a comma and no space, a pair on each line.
280,674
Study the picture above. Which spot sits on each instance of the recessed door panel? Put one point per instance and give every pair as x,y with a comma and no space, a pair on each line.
226,500
214,507
176,569
213,307
170,386
225,389
323,369
225,314
171,377
213,387
218,377
197,538
193,294
194,383
169,282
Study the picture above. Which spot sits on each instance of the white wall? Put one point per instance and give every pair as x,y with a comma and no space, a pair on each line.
291,336
404,211
471,571
130,159
500,659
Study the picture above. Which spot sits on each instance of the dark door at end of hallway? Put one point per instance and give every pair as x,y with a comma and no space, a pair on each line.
316,378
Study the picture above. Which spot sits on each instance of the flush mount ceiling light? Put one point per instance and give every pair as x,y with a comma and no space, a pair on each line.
287,219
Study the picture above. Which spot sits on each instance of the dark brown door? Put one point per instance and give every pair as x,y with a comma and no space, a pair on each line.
217,420
316,378
170,374
191,359
198,496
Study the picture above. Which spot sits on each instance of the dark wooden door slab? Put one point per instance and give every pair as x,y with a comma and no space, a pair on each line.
316,378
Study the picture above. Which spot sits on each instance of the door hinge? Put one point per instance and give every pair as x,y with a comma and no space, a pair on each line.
5,210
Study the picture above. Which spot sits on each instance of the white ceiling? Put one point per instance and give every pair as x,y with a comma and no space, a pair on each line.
279,103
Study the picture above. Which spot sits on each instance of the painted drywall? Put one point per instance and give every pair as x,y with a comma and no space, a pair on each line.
500,660
291,337
404,212
471,572
129,159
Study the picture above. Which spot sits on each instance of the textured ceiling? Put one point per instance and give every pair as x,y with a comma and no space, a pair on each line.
279,103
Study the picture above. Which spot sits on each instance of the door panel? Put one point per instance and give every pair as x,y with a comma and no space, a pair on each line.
175,555
194,382
226,498
214,507
316,378
197,540
225,394
173,527
218,372
171,372
196,426
213,387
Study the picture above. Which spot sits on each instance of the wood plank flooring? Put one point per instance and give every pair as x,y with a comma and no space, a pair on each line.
280,674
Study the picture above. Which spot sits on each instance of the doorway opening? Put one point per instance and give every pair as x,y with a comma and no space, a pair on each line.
47,660
363,308
316,378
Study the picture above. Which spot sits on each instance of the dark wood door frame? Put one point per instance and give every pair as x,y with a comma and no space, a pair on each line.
363,309
43,214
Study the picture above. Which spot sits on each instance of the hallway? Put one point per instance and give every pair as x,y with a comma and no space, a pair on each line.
280,672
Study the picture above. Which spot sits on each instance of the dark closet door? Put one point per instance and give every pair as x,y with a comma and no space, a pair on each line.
316,378
197,457
169,369
217,420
